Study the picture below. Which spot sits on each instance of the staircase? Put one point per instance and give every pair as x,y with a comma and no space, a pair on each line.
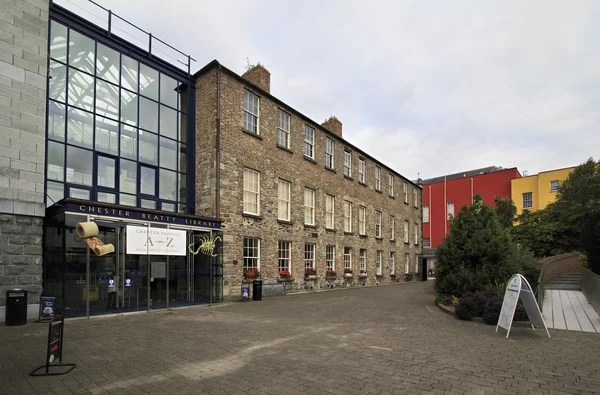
568,281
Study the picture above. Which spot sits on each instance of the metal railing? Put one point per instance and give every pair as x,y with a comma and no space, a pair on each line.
555,266
119,26
590,286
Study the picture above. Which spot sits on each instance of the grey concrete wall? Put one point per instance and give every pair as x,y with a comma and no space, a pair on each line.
590,286
23,76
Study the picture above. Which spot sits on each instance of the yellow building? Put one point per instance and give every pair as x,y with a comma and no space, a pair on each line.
537,191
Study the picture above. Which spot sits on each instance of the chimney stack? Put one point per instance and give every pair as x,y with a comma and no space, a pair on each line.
333,125
259,76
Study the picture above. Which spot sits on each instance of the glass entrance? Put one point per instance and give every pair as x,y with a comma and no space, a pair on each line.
105,274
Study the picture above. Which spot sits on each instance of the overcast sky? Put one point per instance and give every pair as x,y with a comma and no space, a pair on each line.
428,87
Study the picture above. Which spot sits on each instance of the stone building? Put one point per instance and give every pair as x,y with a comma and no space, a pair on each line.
294,195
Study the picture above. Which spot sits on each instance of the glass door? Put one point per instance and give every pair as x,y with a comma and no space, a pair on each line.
134,287
105,272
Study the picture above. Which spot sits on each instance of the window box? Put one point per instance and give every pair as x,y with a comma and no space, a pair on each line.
285,280
247,280
348,275
331,274
311,277
363,275
379,274
392,274
330,278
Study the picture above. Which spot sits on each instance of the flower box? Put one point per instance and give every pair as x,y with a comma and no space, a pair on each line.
330,278
348,275
285,279
363,275
310,277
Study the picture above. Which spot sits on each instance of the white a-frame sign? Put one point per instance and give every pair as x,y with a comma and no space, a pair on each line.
519,287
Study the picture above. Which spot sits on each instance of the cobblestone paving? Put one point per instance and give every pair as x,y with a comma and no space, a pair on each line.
381,340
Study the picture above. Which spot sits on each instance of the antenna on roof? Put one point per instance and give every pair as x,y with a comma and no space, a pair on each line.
248,65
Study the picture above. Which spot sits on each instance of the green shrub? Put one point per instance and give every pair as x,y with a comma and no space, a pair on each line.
466,308
454,300
491,313
481,298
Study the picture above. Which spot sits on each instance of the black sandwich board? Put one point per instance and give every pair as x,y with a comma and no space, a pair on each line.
54,351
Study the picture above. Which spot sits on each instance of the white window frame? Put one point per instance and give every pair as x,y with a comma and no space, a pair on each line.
284,255
530,195
450,208
405,193
329,211
248,110
309,206
329,153
406,263
284,125
347,216
330,257
416,227
246,257
392,227
347,257
284,203
309,255
391,185
425,213
251,190
378,263
309,142
362,261
557,185
378,223
347,163
362,169
392,262
426,243
406,230
377,178
415,198
362,220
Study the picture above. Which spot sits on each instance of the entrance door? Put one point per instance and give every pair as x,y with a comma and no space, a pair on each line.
134,287
105,273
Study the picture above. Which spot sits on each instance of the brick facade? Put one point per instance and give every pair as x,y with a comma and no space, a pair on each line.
23,78
240,149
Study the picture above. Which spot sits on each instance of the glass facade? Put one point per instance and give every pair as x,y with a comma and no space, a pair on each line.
117,128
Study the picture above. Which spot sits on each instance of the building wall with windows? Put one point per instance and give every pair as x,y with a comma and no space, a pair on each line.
535,192
267,160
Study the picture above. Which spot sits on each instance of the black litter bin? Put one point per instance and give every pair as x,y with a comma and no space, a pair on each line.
16,307
257,290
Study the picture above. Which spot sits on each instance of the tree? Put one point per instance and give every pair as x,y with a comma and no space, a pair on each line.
506,211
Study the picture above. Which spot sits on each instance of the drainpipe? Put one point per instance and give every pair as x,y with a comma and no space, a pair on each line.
471,189
445,210
218,145
430,216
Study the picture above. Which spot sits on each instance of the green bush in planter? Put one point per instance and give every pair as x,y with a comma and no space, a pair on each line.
491,313
466,308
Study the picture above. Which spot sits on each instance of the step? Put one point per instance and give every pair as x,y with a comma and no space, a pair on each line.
564,286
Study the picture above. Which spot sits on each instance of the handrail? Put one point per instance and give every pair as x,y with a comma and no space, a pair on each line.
547,263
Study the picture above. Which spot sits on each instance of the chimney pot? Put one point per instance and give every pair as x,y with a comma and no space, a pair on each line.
259,76
333,124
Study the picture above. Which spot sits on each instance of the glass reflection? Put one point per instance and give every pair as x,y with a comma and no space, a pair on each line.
151,204
56,161
148,148
107,64
107,135
81,90
81,52
148,115
58,82
106,172
168,122
55,191
182,131
148,82
56,121
182,197
128,142
128,177
168,185
107,99
129,73
79,166
168,91
148,181
80,128
58,41
127,200
79,193
107,197
167,206
182,158
168,153
129,108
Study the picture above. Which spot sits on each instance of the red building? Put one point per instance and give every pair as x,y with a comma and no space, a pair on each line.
446,194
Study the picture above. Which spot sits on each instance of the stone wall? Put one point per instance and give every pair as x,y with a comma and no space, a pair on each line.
241,150
23,77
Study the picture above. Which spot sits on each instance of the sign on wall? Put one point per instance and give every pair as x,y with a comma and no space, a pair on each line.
155,241
518,287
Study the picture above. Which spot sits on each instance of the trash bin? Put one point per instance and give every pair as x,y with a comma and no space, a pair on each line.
16,307
257,290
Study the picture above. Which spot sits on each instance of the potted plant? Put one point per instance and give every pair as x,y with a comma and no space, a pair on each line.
251,274
310,273
285,275
331,273
347,272
363,273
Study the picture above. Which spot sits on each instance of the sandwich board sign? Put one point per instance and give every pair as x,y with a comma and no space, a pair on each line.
518,287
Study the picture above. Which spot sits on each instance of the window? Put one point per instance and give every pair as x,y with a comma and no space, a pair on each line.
527,200
377,178
309,142
392,228
283,196
309,256
362,261
450,210
283,129
390,185
251,253
362,220
554,185
347,164
251,112
392,262
378,268
284,256
251,192
405,193
406,231
309,206
361,170
416,228
347,258
406,262
415,197
425,214
329,211
378,221
330,257
426,243
347,216
329,150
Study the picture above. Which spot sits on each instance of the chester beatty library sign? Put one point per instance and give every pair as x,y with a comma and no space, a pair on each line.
176,219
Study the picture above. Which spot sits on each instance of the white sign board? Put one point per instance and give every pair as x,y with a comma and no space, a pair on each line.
518,287
142,240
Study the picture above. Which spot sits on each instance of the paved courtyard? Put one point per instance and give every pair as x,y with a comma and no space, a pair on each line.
382,340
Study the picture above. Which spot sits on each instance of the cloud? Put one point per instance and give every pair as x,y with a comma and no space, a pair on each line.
429,87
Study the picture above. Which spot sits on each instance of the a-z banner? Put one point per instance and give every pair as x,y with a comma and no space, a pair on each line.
518,287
